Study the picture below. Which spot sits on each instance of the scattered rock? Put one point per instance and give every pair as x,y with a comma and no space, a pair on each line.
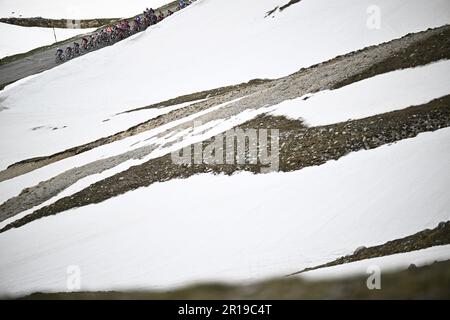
359,250
412,267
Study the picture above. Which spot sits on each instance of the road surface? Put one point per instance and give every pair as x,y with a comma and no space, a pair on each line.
45,59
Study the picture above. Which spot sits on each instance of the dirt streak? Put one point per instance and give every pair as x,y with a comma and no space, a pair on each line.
410,51
300,147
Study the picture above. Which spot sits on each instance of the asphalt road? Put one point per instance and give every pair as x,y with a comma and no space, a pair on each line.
45,60
33,64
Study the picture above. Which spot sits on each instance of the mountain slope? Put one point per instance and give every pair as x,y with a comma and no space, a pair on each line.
75,9
21,39
266,225
138,71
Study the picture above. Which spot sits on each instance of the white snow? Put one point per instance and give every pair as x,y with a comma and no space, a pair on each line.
383,93
171,59
242,227
16,39
12,187
76,9
390,263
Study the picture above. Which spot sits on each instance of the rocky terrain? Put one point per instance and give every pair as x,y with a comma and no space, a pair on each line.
300,146
424,239
88,188
60,23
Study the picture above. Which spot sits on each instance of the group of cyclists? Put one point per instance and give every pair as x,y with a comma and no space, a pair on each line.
111,34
